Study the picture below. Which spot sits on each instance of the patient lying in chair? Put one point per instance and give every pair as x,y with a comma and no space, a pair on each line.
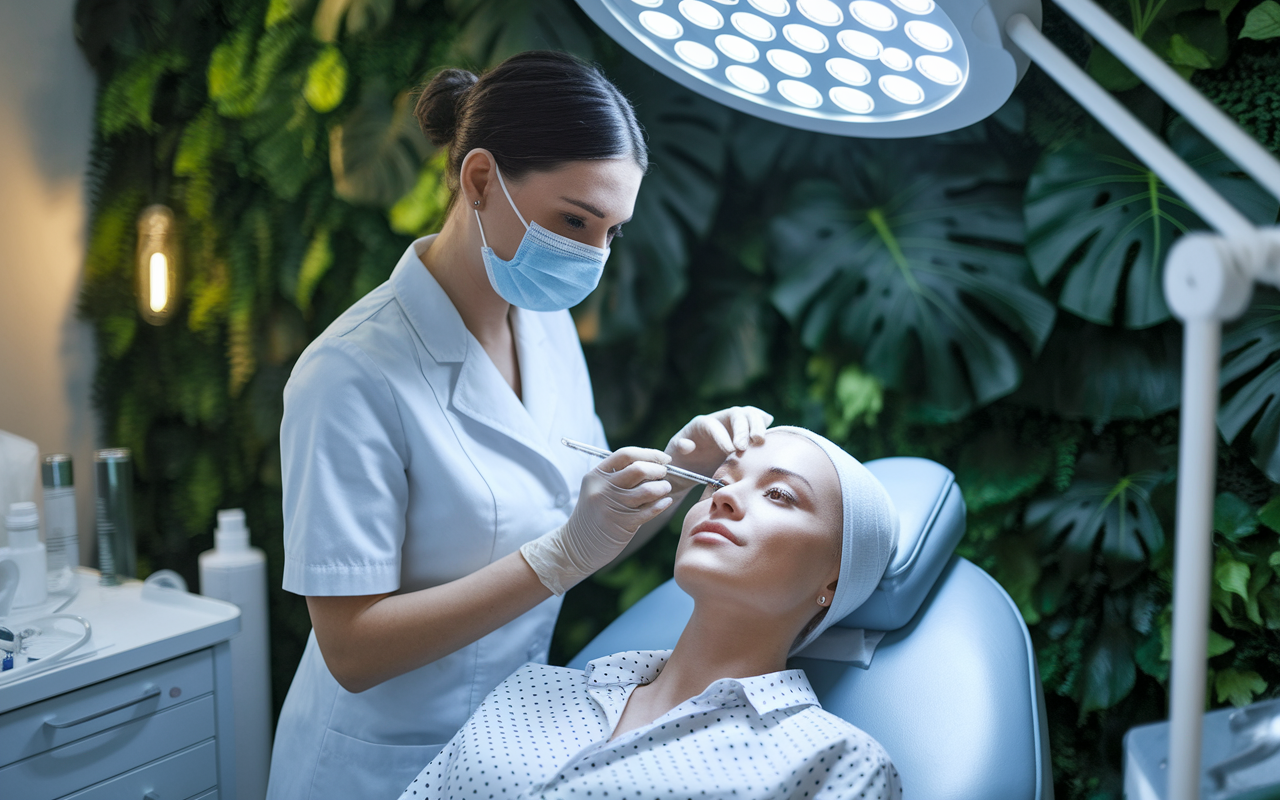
798,538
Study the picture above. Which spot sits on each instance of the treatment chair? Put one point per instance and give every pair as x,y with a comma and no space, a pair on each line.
952,693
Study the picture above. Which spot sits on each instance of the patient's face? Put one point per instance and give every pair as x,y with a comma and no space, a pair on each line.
771,538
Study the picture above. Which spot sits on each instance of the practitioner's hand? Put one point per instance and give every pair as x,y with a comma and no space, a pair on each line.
623,492
703,444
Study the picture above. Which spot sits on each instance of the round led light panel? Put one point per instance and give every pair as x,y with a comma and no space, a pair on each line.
701,14
881,65
928,35
789,63
660,24
904,90
806,38
846,70
876,16
737,48
774,8
823,12
896,59
757,28
747,79
802,94
697,55
852,100
862,45
939,70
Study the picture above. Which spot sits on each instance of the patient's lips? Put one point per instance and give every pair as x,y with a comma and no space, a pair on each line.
714,528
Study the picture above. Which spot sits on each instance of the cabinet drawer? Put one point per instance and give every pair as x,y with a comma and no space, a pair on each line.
104,755
209,795
39,727
174,777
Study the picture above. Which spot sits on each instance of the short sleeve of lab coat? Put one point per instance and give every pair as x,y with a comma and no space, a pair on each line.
343,462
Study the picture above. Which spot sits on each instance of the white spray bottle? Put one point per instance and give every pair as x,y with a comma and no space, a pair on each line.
235,572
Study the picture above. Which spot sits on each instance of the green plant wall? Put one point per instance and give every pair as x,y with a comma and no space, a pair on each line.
988,298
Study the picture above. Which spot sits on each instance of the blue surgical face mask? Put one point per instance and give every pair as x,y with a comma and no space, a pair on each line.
549,272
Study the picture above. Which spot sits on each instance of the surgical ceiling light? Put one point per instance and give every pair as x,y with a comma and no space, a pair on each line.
931,66
922,67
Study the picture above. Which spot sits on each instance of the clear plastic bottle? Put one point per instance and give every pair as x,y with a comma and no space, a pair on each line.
61,540
235,572
25,550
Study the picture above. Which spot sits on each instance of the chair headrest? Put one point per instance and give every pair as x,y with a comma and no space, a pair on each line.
931,517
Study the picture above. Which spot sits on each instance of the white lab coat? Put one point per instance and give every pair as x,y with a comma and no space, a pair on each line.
408,462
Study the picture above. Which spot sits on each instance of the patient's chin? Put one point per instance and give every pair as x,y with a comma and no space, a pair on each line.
702,576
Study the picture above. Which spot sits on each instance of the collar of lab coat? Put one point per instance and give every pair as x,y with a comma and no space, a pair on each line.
480,391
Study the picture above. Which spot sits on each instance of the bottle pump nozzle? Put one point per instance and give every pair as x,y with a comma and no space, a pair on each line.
231,535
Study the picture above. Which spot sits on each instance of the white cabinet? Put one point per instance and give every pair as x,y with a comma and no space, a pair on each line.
143,714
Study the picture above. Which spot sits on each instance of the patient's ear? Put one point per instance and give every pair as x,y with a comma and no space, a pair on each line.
823,599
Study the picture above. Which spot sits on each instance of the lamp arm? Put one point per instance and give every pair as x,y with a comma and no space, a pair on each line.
1223,131
1194,190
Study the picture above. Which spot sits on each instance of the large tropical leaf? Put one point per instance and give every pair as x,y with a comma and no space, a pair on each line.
376,152
1102,373
1250,379
495,29
1100,223
919,268
677,202
1109,667
1106,509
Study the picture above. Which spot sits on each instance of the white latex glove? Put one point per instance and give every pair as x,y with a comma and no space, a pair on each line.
703,444
622,493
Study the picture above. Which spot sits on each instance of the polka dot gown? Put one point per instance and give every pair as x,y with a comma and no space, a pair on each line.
544,732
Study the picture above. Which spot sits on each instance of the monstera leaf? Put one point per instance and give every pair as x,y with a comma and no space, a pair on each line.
1250,379
1101,373
495,29
921,271
677,202
376,152
1107,508
1101,223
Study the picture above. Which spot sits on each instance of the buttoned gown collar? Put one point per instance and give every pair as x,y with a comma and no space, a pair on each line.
764,693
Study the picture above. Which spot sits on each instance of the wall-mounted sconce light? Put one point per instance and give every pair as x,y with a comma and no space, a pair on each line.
157,276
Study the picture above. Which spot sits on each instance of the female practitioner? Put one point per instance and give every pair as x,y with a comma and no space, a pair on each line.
432,519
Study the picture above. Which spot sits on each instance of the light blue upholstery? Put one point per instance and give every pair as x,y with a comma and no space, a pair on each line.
953,692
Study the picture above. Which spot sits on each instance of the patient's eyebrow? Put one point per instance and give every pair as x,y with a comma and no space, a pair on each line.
779,472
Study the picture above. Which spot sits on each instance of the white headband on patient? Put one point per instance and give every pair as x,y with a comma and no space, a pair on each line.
869,537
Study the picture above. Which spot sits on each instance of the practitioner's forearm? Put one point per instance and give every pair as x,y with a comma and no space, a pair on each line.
368,639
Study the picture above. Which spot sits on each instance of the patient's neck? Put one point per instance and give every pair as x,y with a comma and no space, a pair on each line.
721,642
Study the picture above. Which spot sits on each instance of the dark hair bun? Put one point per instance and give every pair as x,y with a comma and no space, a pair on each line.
437,109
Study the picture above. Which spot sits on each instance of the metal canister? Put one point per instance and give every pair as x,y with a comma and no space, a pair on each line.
117,549
61,539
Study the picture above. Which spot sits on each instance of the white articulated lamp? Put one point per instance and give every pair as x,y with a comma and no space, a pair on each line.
903,68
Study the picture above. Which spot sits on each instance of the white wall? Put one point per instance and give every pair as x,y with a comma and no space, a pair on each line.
46,354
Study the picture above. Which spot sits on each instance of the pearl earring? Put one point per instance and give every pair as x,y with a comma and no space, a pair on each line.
822,601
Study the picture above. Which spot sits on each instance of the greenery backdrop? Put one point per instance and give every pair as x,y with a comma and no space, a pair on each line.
988,298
